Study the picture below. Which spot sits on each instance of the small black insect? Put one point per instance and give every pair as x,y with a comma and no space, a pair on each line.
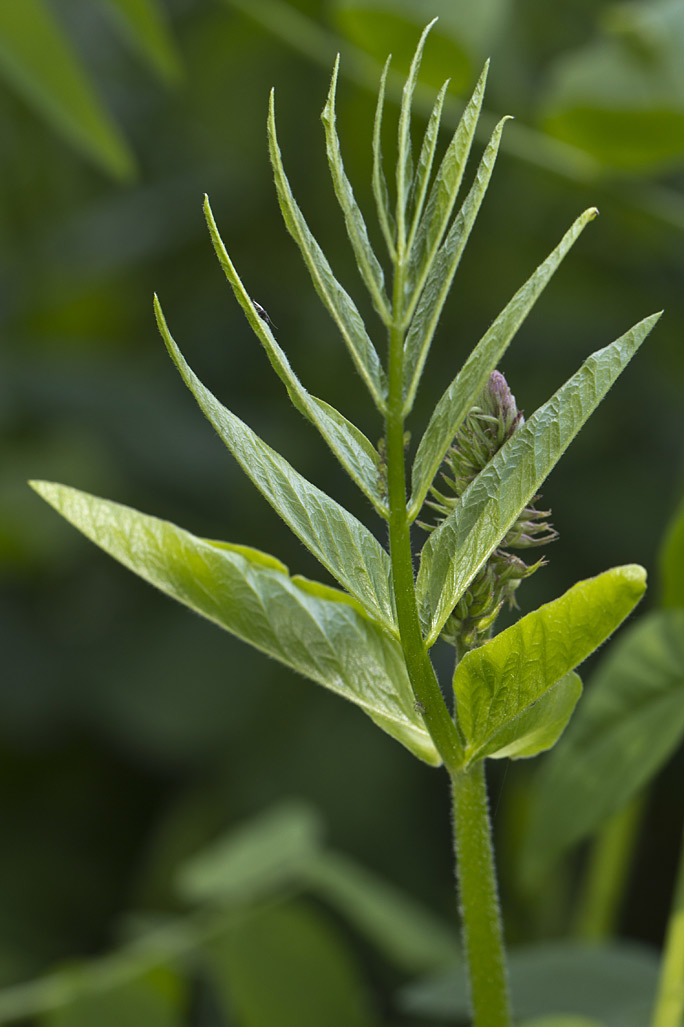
263,314
418,706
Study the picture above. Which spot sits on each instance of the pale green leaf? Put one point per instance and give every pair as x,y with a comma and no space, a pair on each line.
157,998
367,262
539,726
457,549
404,931
285,966
442,198
146,25
380,191
671,561
316,630
628,725
342,543
466,387
613,984
421,178
498,682
442,271
338,302
251,862
355,453
38,61
404,157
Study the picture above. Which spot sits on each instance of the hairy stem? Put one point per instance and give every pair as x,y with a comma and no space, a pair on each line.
669,1007
479,900
606,875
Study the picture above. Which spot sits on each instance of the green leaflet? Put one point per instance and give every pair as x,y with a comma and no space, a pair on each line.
146,24
538,727
499,681
463,391
421,179
404,171
367,262
380,191
347,442
317,631
456,550
442,271
671,561
38,61
342,543
284,964
338,302
629,724
442,198
155,998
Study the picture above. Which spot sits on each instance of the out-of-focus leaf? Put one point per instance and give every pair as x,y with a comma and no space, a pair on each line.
617,104
254,860
613,984
441,274
317,631
464,390
380,190
404,931
284,965
540,726
435,220
37,60
630,722
347,442
338,302
156,999
367,262
342,543
671,561
456,550
144,22
404,169
498,682
562,1021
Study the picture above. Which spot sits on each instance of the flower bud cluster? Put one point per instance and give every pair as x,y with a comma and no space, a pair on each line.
486,428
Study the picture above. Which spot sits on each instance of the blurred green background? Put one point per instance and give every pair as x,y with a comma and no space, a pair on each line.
131,733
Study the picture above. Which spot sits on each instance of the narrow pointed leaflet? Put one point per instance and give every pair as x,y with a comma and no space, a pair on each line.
317,631
379,182
338,540
421,178
338,302
456,550
347,442
463,391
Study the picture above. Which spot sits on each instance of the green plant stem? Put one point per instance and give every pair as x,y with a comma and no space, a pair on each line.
606,874
421,672
669,1007
479,900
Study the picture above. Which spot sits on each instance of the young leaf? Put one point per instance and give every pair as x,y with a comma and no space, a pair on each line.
38,61
456,550
347,442
671,561
421,178
539,727
442,271
285,965
367,262
442,197
404,159
630,723
338,302
318,631
380,191
342,543
498,682
463,391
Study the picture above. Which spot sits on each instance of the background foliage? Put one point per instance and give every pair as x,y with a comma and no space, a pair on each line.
127,728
